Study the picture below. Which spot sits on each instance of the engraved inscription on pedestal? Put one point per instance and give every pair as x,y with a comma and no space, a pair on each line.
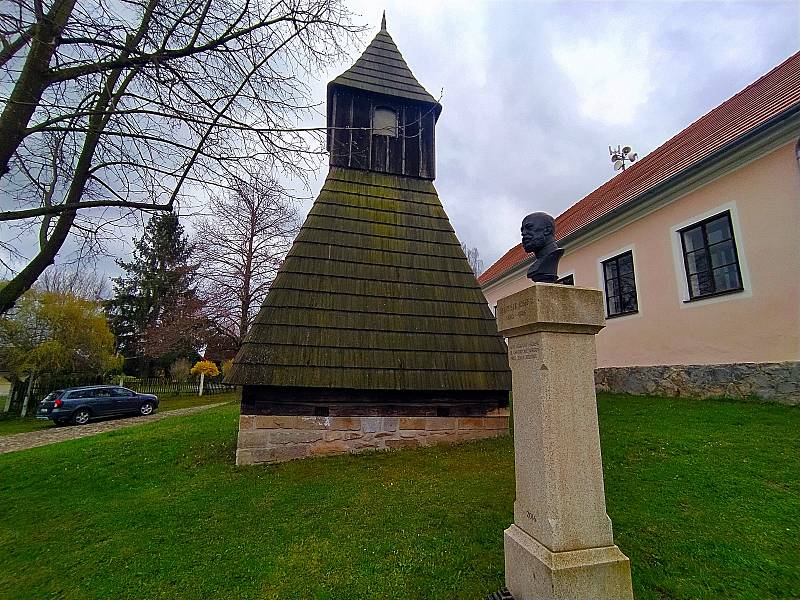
510,312
519,350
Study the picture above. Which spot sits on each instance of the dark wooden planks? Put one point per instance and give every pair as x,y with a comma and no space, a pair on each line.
380,78
284,400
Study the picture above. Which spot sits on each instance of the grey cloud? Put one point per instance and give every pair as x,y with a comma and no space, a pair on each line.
517,140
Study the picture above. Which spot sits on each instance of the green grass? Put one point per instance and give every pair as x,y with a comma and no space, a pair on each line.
174,402
9,426
704,496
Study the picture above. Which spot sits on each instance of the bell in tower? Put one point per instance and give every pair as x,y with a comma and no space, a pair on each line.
379,116
375,333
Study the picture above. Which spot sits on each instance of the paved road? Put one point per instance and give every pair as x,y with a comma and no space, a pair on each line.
31,439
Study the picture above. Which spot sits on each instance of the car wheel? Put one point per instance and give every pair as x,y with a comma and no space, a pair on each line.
81,416
146,409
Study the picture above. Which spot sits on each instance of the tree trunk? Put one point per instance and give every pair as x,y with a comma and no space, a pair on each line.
106,99
27,396
244,320
32,82
23,281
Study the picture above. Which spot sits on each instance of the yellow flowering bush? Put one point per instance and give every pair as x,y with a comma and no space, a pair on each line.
205,367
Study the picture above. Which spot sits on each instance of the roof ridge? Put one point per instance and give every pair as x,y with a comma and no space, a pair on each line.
636,167
736,95
767,98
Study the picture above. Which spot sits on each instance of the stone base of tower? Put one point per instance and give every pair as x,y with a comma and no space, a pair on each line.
273,438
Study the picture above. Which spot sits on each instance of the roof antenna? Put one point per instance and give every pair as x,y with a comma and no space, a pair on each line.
619,156
383,22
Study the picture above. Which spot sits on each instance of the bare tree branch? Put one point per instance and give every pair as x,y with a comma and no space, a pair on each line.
60,208
473,258
10,49
240,249
152,102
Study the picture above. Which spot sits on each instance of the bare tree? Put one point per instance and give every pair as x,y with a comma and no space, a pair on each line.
81,283
117,106
474,258
240,248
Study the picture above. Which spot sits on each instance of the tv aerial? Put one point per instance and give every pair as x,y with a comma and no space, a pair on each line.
621,155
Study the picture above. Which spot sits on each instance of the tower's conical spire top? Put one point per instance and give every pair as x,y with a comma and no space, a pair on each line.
383,70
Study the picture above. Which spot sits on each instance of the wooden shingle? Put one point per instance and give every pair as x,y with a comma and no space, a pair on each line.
375,294
381,69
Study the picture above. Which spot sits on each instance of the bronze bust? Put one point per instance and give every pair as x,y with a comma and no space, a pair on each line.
539,236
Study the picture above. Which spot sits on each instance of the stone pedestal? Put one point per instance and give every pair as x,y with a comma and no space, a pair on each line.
561,544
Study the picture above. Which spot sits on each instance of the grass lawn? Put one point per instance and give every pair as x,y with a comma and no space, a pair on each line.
704,496
174,402
10,426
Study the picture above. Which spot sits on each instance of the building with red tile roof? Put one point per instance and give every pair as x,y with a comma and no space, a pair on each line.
695,245
770,99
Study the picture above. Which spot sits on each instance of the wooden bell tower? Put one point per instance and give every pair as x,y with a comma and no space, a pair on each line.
379,116
375,333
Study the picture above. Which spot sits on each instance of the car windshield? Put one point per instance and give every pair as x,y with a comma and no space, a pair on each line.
52,395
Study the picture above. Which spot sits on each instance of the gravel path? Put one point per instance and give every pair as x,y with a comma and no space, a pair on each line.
31,439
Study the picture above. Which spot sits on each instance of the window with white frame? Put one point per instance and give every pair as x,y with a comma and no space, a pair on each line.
710,257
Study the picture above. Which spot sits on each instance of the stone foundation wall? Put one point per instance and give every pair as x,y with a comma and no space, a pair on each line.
776,382
270,439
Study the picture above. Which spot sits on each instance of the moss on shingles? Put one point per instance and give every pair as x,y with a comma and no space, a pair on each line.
375,293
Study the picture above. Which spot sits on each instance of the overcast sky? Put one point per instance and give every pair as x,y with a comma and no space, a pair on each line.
535,92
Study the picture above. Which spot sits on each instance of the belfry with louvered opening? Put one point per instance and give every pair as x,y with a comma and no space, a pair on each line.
375,333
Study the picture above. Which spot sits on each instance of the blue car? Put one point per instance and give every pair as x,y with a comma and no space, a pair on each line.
78,405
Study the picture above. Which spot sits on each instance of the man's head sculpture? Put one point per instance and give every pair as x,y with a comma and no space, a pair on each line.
539,236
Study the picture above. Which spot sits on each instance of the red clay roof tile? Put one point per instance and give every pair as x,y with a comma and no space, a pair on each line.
756,104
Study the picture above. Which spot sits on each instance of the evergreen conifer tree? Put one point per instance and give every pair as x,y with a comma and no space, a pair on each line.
155,313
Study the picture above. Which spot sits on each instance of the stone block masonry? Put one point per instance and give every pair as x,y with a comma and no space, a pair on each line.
272,439
775,382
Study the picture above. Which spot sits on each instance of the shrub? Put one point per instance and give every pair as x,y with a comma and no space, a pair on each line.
205,366
180,370
227,366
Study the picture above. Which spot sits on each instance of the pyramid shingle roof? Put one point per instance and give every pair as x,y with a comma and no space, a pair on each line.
375,294
383,70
